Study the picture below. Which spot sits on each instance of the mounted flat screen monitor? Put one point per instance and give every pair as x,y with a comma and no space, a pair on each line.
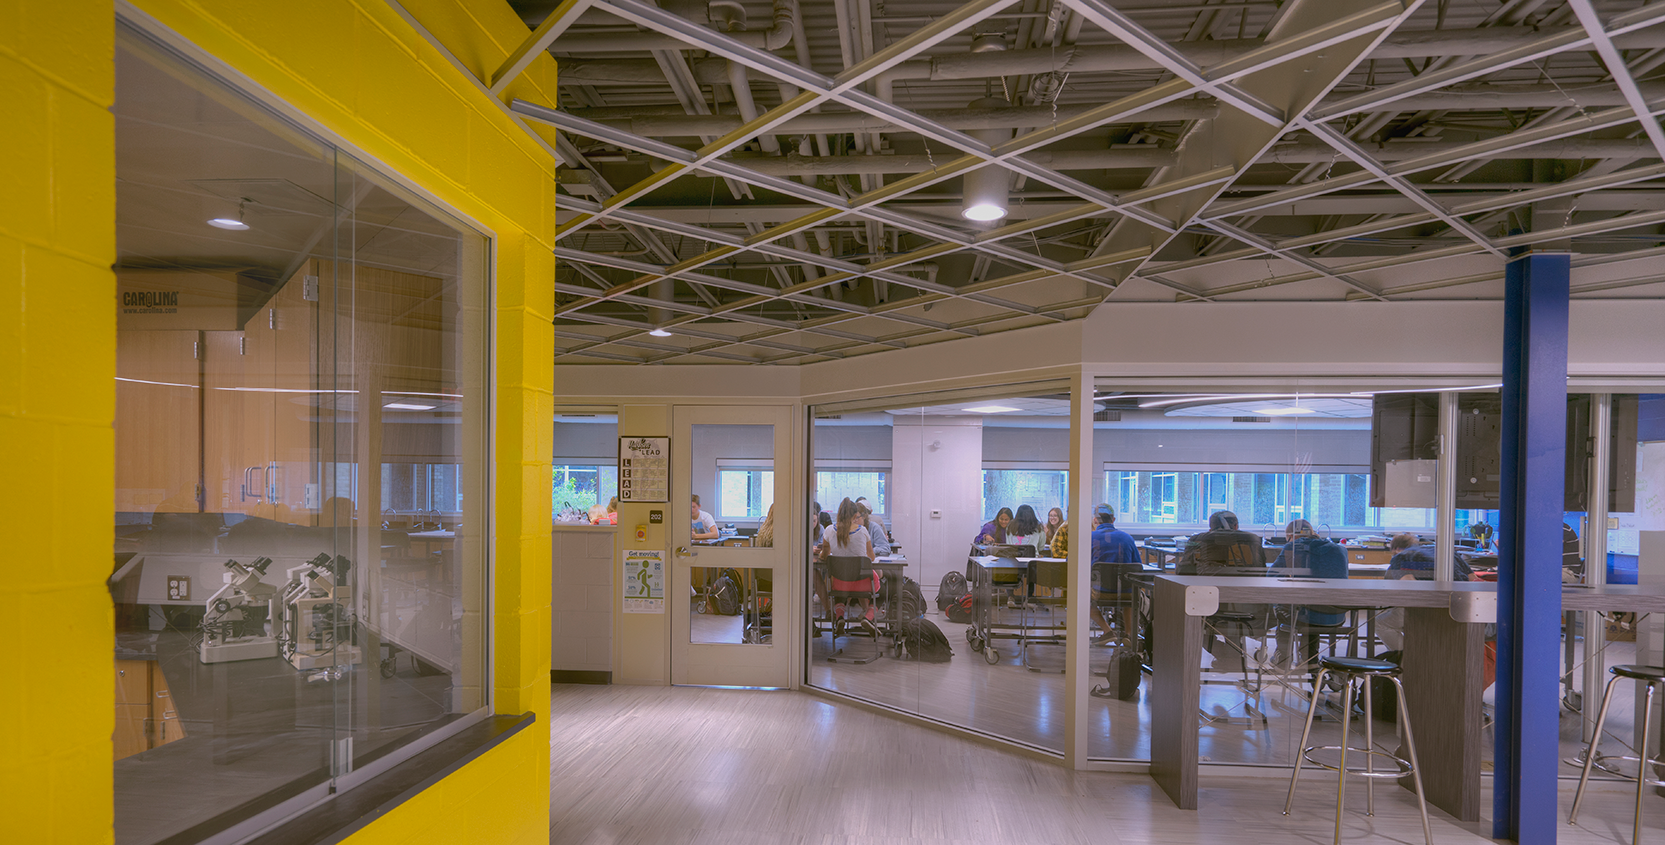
1405,438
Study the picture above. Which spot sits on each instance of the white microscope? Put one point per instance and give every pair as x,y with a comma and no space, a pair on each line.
234,626
318,618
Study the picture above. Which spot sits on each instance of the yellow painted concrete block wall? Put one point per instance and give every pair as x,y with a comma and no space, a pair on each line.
362,71
57,403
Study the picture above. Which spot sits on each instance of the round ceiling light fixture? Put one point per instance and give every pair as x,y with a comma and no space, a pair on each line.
232,224
659,333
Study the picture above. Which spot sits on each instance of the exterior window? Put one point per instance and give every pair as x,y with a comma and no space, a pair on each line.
1041,489
583,486
834,486
744,493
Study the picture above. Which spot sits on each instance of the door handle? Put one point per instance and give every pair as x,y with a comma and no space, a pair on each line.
684,551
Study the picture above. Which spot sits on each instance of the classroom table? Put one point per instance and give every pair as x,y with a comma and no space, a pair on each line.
1445,628
980,572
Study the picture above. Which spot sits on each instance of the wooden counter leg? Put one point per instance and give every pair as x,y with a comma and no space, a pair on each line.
1175,694
1443,668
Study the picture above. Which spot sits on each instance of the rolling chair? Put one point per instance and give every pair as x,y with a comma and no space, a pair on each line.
759,608
851,578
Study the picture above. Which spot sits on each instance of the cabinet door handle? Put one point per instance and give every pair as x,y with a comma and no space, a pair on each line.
162,694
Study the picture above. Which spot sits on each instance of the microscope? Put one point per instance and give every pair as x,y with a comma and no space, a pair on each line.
234,624
318,617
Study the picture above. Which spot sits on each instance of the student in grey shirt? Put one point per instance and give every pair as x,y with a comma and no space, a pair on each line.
875,530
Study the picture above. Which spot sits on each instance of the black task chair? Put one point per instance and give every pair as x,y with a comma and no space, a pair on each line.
1235,553
851,578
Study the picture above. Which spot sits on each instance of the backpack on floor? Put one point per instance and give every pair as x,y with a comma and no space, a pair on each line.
911,604
959,611
951,590
1121,676
725,593
923,640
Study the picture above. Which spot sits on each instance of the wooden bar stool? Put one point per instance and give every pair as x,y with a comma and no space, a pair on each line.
1652,676
1364,670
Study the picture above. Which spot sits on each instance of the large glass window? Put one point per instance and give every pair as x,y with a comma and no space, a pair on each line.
744,492
835,485
301,460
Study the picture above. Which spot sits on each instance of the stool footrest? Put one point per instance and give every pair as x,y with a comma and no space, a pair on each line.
1602,760
1404,766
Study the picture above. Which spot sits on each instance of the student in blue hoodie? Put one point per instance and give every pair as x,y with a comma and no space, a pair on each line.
1312,556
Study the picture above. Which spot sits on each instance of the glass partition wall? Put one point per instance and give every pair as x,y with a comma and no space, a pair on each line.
957,490
301,456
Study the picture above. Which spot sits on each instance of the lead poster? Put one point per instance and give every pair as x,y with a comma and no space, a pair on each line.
644,581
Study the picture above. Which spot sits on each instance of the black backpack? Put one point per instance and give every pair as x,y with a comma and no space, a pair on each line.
951,590
1122,676
912,603
923,640
725,593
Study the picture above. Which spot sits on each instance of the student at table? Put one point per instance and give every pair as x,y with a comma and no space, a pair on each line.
1109,545
704,524
765,538
607,514
1315,557
1025,528
875,530
1222,549
994,531
1054,520
1412,559
848,538
1060,545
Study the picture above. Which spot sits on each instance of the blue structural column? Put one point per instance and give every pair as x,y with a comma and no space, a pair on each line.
1529,547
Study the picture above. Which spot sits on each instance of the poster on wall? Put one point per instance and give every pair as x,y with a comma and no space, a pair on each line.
644,581
644,469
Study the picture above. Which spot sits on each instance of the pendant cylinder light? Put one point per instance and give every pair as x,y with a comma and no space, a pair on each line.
988,189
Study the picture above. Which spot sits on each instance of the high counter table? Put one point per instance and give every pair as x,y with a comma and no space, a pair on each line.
1443,665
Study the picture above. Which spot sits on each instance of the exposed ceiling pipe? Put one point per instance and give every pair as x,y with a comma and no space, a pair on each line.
1132,156
721,14
662,121
670,121
741,84
1088,58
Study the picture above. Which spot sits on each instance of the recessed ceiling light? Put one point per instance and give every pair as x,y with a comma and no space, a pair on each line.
405,406
229,223
660,333
988,409
1283,412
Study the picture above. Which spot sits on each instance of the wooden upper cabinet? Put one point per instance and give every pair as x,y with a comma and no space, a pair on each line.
157,391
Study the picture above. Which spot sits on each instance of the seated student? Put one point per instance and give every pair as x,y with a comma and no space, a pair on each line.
607,514
1110,545
848,538
1060,546
1315,557
1054,519
765,538
704,524
1025,528
1223,549
875,531
994,531
1412,559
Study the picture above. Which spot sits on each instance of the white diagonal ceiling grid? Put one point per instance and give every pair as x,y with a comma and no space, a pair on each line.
851,240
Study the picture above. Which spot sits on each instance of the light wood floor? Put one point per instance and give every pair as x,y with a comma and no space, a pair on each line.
649,765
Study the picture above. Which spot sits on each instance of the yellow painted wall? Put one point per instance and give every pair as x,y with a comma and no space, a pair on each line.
361,70
57,402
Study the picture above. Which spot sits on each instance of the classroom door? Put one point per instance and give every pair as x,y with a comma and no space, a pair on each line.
733,622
